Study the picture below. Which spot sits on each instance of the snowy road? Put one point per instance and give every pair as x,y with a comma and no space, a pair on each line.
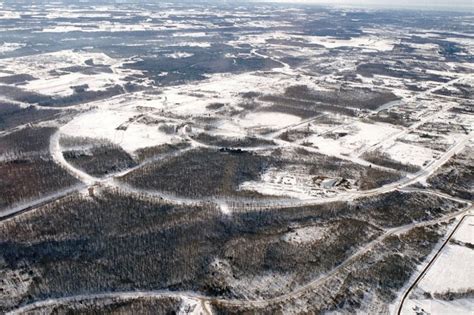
34,204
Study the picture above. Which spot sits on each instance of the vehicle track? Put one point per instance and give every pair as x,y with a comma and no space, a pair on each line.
29,206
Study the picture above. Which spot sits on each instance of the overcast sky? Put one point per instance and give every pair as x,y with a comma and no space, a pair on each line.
429,4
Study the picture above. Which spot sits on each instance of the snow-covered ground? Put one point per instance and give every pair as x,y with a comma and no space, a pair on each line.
43,63
364,42
104,124
107,26
370,43
64,85
451,272
268,120
7,47
305,235
352,137
435,307
52,75
293,181
409,153
178,55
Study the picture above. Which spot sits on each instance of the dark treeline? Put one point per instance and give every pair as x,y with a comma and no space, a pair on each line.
27,170
456,177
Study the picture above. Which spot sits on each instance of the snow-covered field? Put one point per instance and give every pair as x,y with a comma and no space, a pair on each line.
429,306
63,85
452,273
409,153
43,63
352,138
105,123
452,270
7,47
53,75
368,42
267,119
118,27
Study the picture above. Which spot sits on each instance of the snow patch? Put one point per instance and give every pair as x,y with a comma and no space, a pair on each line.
104,124
8,47
365,42
179,55
354,137
268,119
304,235
409,154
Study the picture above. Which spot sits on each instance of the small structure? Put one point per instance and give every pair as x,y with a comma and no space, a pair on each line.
91,191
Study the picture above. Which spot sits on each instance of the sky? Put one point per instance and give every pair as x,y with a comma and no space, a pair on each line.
429,4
